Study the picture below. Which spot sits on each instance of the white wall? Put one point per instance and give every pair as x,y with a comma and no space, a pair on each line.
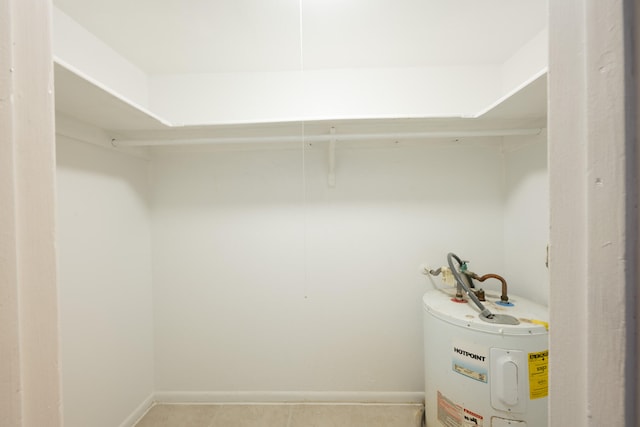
593,165
29,346
324,94
262,287
189,98
526,217
529,61
268,284
76,48
105,284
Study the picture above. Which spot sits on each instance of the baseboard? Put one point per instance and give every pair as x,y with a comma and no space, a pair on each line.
391,397
139,412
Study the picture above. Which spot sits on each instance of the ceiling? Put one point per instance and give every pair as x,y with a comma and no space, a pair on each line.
214,36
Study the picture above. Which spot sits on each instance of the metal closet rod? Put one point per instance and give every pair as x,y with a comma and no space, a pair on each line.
327,137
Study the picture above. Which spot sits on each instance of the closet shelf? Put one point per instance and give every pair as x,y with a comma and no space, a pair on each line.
128,125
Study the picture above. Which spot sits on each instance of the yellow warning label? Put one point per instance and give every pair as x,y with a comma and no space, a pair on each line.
538,374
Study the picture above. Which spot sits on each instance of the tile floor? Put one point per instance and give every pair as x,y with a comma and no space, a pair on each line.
283,415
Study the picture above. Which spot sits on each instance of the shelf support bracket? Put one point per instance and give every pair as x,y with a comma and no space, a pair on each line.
331,178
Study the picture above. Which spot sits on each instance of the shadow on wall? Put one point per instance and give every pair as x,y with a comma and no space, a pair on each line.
103,165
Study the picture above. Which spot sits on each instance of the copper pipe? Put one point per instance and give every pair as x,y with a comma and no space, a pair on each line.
504,296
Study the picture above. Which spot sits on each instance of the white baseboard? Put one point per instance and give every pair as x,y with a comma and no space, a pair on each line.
391,397
139,412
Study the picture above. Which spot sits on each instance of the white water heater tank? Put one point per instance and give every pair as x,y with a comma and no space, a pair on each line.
484,374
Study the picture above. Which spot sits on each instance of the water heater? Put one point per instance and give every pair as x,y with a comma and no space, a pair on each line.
479,373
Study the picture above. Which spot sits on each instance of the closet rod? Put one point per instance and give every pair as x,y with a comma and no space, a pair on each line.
328,137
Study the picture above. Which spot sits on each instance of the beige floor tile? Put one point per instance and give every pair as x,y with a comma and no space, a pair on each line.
179,416
252,416
302,415
356,416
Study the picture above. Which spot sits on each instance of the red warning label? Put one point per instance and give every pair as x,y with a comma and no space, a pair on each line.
450,414
472,419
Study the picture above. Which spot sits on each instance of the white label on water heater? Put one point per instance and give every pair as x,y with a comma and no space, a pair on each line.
470,360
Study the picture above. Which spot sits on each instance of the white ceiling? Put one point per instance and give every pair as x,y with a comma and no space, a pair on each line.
202,36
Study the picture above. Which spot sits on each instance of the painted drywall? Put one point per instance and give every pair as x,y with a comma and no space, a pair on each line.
105,284
29,344
77,49
434,91
455,89
324,94
266,280
526,217
530,60
594,228
185,37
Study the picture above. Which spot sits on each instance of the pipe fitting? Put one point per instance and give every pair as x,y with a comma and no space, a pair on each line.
503,297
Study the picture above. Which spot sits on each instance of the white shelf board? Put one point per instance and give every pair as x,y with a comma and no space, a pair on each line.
89,102
527,101
93,104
